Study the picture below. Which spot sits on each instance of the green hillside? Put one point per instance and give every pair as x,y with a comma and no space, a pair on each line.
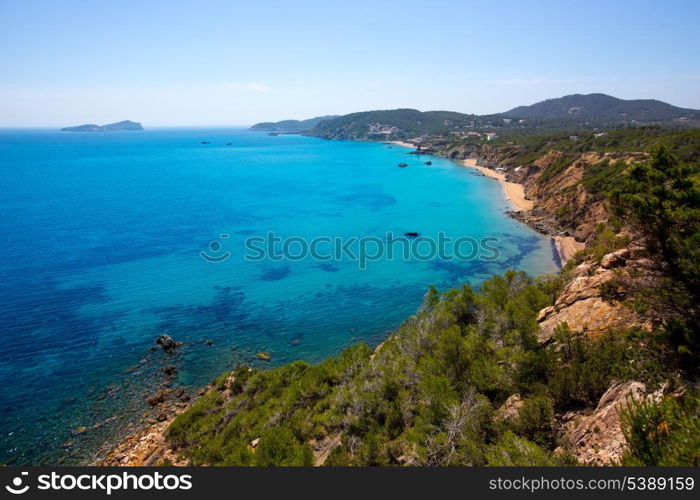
291,125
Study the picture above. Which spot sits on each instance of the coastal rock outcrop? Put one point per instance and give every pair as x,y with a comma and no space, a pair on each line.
583,303
510,409
598,439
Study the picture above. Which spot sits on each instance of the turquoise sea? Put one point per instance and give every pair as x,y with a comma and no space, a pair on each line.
101,242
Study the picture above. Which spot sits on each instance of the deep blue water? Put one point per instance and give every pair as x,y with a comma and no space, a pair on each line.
101,241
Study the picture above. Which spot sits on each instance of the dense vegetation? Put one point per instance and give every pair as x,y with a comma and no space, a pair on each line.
410,122
292,125
570,113
526,148
428,396
602,108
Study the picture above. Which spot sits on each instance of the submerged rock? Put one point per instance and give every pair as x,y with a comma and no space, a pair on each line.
402,165
264,356
167,342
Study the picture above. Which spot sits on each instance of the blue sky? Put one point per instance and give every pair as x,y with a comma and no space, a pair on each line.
234,63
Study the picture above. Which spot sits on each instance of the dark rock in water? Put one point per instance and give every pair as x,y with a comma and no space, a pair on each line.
167,343
170,370
428,162
411,234
205,142
209,342
229,143
402,165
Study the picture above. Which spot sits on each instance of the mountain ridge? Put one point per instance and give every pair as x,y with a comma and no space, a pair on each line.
602,106
571,112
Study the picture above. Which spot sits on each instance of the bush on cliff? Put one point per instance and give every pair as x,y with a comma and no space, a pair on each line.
428,395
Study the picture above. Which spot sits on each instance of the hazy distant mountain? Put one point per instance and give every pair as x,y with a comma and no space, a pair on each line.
112,127
292,125
603,107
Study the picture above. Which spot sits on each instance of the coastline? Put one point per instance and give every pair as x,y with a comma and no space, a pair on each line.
567,246
514,192
147,445
403,144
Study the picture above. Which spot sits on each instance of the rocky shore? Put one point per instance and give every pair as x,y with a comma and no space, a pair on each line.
146,445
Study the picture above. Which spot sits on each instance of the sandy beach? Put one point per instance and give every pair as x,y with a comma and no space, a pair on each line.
514,192
404,144
567,246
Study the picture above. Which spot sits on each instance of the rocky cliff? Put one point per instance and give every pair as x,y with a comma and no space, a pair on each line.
565,202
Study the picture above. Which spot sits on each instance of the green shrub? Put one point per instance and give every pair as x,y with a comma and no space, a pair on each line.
514,451
665,433
279,447
535,420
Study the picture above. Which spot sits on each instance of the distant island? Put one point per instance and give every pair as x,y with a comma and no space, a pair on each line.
292,125
111,127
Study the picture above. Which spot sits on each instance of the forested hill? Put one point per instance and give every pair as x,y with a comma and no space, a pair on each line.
291,125
604,107
391,123
570,113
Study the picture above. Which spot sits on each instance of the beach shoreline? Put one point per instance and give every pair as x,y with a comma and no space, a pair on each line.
567,246
403,144
514,192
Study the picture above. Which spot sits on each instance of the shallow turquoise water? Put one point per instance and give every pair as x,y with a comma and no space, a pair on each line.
102,238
